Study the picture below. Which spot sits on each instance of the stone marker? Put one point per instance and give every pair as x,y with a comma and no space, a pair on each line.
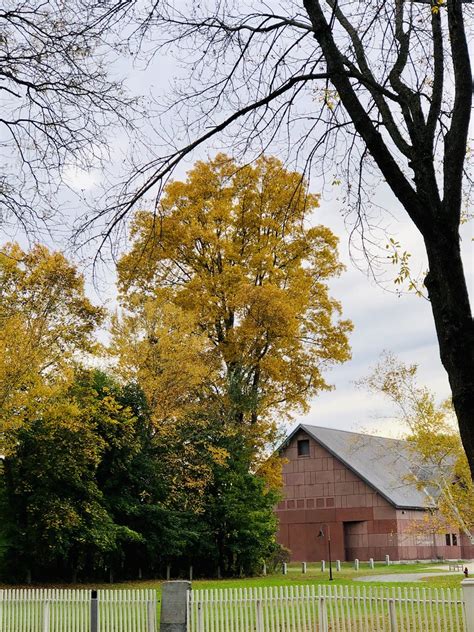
338,565
356,564
284,568
371,562
264,569
323,566
173,606
387,560
303,567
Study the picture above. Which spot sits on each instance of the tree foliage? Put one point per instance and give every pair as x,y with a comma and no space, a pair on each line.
227,322
45,320
230,248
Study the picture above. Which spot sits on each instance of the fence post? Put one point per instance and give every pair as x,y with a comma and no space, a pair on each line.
393,616
323,619
200,617
46,616
151,616
468,599
338,565
259,616
174,606
94,612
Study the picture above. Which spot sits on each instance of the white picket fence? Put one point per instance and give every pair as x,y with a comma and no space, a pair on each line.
50,610
324,608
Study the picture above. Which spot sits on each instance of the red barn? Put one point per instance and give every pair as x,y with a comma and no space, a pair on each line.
355,488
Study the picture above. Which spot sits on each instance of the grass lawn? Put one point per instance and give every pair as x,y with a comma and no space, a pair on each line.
313,575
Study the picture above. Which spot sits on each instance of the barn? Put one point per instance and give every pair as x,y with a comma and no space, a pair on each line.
352,492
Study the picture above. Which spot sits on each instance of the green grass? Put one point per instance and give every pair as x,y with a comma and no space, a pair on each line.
313,575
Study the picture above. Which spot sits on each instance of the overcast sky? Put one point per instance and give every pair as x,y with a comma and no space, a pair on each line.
383,320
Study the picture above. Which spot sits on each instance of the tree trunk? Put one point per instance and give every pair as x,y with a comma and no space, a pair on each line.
449,298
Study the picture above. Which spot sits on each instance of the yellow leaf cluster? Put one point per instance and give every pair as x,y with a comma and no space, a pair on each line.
45,319
226,313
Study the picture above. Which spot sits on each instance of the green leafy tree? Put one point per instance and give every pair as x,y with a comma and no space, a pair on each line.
59,522
227,322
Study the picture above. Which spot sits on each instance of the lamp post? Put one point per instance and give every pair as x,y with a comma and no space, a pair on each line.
321,535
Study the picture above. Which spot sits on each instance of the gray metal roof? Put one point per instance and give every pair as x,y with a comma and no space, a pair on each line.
385,464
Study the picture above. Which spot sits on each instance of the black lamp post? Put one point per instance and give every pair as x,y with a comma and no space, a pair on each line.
321,535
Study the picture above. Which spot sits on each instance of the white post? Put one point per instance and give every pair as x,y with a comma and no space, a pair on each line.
303,567
151,616
393,616
323,619
338,565
356,564
46,616
284,568
200,618
168,573
191,573
371,562
468,599
387,560
323,566
264,569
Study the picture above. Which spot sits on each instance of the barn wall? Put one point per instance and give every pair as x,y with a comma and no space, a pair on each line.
321,494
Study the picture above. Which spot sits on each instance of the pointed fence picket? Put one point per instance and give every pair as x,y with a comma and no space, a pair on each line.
54,610
322,608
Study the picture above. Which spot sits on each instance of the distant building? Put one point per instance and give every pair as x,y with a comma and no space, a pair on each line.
355,488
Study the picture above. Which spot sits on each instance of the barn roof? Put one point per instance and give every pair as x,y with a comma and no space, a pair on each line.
384,464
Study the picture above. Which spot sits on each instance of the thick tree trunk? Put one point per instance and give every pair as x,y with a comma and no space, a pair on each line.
449,298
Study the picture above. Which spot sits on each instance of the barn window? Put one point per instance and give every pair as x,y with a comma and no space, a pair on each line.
303,447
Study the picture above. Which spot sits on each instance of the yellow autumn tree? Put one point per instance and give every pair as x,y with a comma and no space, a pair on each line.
232,248
45,319
440,466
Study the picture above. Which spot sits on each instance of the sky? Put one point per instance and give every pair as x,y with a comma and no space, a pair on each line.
383,318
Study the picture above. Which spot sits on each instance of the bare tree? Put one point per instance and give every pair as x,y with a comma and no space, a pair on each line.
377,87
56,98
